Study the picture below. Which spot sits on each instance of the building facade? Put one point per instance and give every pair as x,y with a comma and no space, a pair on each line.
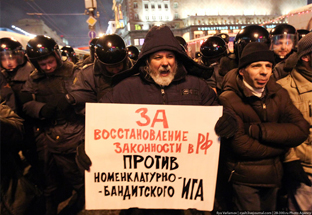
38,27
197,18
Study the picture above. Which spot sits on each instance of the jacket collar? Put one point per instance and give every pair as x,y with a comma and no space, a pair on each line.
299,82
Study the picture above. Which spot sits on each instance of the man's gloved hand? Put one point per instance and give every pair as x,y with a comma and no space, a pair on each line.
226,125
253,130
24,97
82,159
47,111
294,174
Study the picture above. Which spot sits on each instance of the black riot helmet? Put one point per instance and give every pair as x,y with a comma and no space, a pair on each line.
12,52
68,53
110,49
251,33
92,47
283,35
224,36
182,42
133,52
41,47
301,33
213,49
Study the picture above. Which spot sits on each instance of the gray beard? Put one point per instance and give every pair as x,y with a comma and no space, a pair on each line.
163,81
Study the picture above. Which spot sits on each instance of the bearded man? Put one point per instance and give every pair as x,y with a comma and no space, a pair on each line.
164,74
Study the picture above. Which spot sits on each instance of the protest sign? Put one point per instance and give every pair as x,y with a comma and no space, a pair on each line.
151,156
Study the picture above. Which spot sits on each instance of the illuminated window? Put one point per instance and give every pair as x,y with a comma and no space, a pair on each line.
147,17
160,17
175,5
141,41
136,16
176,16
137,27
135,5
136,42
153,17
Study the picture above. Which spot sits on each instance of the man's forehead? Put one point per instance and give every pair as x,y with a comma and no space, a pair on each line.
49,58
261,62
162,52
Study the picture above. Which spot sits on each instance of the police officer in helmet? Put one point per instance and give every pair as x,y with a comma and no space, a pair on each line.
95,79
182,42
68,53
251,33
90,58
224,36
12,54
283,41
133,52
14,66
212,50
59,129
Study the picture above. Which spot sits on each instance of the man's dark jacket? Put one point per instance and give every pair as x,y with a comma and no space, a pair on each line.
257,162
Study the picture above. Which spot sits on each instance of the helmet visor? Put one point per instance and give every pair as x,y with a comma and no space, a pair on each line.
282,44
11,59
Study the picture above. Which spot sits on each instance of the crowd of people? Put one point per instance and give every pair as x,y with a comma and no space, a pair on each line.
264,86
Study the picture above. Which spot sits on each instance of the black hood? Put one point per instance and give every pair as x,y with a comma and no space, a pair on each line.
162,38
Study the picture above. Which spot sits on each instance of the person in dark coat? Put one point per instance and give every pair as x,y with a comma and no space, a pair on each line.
59,129
95,79
14,65
269,124
251,33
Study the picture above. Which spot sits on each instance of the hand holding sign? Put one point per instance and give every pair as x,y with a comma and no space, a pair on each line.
82,159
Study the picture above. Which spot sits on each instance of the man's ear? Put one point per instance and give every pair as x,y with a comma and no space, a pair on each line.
305,58
241,71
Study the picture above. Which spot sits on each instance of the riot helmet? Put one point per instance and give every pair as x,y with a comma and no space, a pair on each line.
213,49
12,53
110,49
133,52
251,33
283,39
301,33
224,36
68,53
40,48
92,47
182,42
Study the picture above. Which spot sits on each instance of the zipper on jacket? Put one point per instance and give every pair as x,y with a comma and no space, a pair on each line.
264,112
310,108
162,90
231,175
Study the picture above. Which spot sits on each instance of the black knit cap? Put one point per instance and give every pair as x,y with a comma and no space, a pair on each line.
254,52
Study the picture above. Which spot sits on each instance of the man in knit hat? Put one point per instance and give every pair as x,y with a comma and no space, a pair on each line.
298,161
268,124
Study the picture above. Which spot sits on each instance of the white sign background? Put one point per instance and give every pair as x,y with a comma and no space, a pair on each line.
192,164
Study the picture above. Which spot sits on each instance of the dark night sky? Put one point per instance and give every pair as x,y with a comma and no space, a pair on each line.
61,16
